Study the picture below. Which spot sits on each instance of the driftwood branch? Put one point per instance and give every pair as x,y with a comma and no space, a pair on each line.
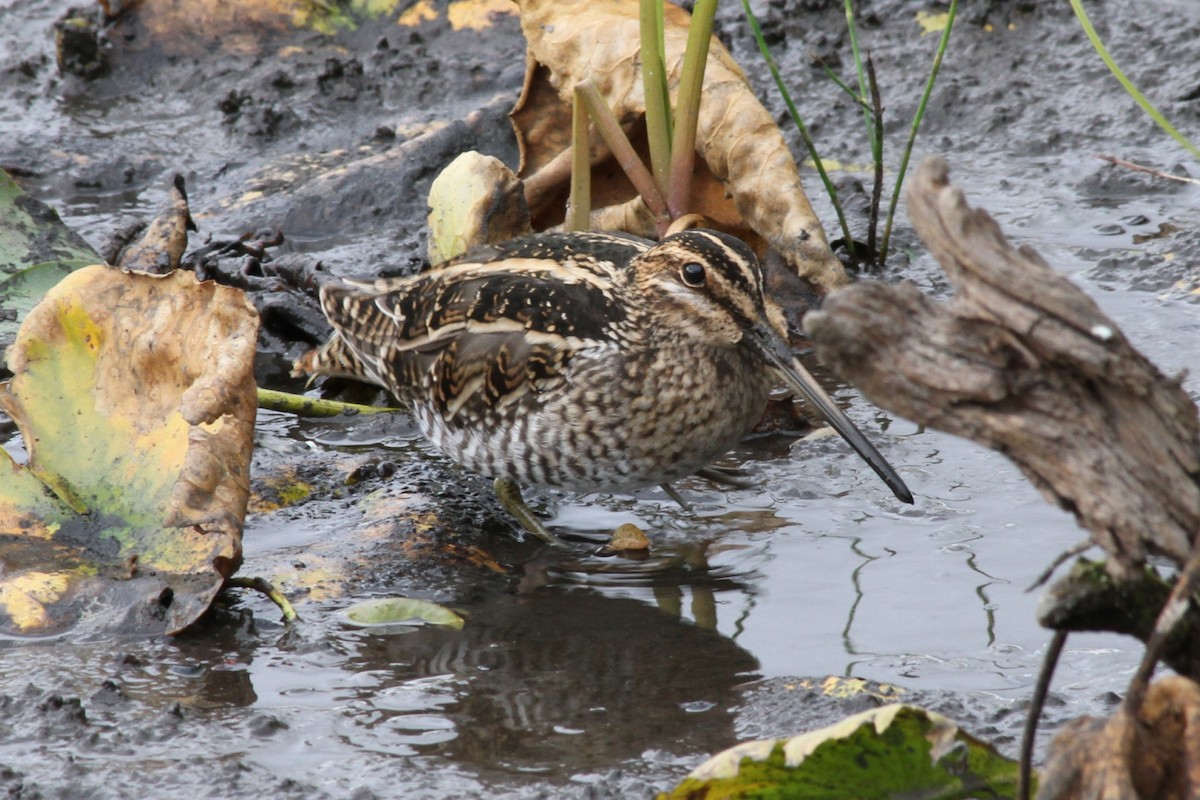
1022,361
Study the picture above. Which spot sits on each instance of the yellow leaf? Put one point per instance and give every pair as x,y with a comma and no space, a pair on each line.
931,22
135,397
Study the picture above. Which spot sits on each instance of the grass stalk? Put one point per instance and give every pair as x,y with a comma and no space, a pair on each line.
1141,99
912,132
579,209
657,95
863,92
610,131
687,107
830,189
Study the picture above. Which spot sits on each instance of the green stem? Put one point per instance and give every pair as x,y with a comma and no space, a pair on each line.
687,107
579,210
263,586
303,406
622,150
657,94
852,27
1146,105
841,84
912,131
804,135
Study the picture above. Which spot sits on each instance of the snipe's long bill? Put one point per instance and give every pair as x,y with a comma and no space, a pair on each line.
800,380
588,362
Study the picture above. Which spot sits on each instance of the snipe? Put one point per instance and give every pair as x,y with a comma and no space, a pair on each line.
582,361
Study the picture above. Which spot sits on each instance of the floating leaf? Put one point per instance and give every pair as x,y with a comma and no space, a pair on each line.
401,611
897,751
135,397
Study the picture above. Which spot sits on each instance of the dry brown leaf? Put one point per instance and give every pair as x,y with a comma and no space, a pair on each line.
1156,757
162,243
747,181
136,401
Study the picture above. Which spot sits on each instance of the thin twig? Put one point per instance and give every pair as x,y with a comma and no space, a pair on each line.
1036,704
1120,162
1172,612
303,406
1059,560
263,586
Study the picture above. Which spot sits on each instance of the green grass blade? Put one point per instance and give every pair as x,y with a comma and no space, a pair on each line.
863,92
912,132
1141,99
687,106
654,87
804,134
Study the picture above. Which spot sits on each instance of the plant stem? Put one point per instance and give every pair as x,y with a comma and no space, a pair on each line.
303,406
622,150
263,586
804,134
579,210
1146,105
912,132
852,27
657,94
876,131
687,107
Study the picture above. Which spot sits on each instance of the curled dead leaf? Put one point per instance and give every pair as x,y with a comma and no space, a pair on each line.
135,398
474,201
161,244
746,181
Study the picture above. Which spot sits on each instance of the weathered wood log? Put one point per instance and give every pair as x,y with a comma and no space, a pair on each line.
1088,599
1022,361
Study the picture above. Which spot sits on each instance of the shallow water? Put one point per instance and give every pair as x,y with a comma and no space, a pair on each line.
596,676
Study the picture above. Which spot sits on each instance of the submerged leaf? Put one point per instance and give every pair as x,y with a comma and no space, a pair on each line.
135,398
401,611
890,752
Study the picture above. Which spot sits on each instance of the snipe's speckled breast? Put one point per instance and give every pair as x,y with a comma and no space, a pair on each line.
579,360
622,419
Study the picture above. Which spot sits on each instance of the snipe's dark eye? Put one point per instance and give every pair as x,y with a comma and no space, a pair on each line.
692,274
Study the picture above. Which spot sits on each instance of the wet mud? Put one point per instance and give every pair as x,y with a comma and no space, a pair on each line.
589,675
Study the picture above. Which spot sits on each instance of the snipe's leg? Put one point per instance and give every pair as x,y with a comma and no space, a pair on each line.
510,497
